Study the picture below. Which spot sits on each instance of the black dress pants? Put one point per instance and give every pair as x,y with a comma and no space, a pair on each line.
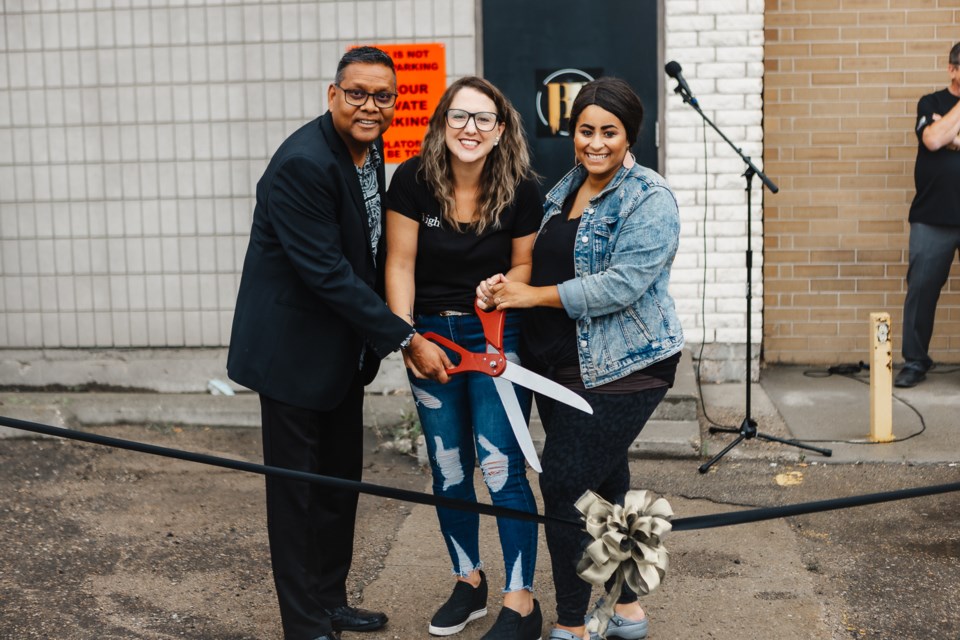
311,527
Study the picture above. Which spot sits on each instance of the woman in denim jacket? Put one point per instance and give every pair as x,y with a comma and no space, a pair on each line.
601,322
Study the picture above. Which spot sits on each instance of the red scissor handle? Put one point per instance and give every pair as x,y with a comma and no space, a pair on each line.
492,321
491,364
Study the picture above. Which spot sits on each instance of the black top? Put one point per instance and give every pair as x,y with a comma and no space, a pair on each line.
936,173
550,336
452,262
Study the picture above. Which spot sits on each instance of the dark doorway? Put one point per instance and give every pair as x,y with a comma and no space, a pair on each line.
539,52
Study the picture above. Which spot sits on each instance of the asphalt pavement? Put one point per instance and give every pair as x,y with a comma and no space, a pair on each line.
803,403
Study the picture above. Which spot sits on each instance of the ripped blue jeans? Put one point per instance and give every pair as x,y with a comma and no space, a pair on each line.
464,420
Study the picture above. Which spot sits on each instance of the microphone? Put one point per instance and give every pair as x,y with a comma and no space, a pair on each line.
673,70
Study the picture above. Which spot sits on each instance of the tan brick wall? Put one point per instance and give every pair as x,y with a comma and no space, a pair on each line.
841,84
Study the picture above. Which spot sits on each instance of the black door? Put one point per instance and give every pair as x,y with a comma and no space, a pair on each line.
539,53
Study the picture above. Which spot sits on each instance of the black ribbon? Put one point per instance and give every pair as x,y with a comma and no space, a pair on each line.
770,513
680,524
262,469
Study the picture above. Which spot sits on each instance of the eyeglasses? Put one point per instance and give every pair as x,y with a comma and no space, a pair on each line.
359,97
483,120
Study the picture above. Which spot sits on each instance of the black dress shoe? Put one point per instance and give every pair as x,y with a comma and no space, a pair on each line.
347,618
909,377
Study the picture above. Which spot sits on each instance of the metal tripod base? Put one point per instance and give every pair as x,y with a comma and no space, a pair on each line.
747,431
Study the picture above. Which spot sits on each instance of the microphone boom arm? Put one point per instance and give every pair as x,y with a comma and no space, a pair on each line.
751,168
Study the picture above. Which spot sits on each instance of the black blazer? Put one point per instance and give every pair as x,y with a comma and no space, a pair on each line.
309,293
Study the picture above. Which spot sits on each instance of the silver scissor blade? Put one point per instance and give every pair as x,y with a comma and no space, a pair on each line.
526,378
508,396
521,430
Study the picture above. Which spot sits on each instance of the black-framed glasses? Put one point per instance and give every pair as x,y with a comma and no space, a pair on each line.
359,97
483,120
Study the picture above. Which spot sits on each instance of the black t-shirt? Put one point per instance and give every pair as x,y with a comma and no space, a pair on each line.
936,173
451,263
550,335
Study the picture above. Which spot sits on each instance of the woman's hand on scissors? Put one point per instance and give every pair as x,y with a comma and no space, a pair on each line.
485,293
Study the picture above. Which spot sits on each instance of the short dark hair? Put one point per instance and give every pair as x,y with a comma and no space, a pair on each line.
613,95
364,55
955,55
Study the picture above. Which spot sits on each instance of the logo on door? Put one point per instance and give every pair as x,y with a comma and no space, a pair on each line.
556,91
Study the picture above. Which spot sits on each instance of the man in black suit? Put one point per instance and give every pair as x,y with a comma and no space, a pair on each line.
309,330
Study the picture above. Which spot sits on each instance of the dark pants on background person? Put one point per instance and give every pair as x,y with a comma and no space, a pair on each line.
583,452
311,527
932,248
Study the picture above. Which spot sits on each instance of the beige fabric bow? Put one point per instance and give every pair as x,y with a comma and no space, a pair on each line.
626,546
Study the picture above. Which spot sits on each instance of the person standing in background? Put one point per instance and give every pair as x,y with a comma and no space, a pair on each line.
309,331
934,220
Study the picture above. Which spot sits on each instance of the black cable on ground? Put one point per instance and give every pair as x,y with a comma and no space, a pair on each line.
847,371
703,297
850,371
680,524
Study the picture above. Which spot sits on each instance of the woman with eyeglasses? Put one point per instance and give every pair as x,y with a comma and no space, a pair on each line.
467,207
600,321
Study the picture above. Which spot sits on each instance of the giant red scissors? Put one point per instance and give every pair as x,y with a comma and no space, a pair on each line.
494,363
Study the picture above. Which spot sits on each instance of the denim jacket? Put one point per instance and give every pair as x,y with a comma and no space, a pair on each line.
626,243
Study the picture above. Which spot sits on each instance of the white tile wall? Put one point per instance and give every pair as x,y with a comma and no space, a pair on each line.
719,44
132,134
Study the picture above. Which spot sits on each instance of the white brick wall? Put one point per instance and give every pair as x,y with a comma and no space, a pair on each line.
719,44
132,135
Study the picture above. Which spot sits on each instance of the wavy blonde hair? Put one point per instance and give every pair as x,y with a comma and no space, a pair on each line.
503,169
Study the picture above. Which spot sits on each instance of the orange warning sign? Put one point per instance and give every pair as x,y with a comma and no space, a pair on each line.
421,80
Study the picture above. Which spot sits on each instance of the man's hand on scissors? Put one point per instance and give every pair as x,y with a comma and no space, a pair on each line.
428,360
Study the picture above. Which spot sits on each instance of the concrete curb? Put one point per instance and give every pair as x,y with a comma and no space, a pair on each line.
672,432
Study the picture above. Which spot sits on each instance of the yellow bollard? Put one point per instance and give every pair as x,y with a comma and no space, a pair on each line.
881,378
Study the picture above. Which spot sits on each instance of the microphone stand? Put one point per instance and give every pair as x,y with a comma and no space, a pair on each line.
748,428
